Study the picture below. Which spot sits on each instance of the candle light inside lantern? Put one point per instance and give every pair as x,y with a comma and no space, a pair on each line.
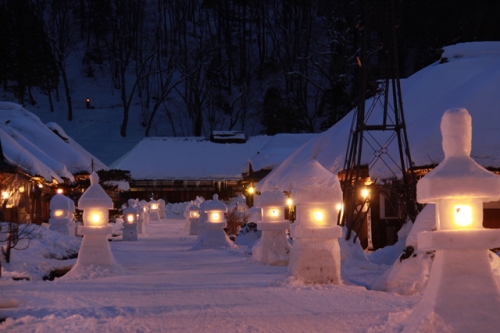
95,218
463,215
130,218
58,213
318,216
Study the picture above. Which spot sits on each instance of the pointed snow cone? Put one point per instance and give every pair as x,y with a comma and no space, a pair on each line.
462,294
273,247
194,219
315,255
94,251
214,234
129,232
61,215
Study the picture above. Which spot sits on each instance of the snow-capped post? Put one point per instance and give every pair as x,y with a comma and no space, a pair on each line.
129,232
214,234
315,254
142,208
61,219
462,293
161,209
273,247
194,219
95,249
153,211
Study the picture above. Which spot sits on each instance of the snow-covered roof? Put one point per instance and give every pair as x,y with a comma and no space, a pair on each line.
189,158
469,79
37,150
278,149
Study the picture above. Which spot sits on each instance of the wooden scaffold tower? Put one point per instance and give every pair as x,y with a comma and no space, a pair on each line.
377,208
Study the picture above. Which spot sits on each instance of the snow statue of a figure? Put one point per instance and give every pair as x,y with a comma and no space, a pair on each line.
94,258
315,255
462,294
129,232
273,247
213,234
61,215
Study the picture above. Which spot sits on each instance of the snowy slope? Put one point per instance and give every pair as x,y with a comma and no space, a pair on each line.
469,79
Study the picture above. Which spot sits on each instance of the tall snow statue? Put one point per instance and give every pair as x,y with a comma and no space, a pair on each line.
273,247
161,209
194,219
154,214
461,294
214,234
130,232
315,254
95,250
61,215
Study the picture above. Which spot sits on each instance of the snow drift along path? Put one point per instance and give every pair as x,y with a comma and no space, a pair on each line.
168,287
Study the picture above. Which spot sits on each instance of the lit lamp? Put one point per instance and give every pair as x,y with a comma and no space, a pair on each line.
95,249
60,216
461,291
315,254
129,232
153,210
273,247
214,234
194,219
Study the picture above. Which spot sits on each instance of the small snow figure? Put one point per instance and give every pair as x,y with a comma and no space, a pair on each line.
315,255
461,294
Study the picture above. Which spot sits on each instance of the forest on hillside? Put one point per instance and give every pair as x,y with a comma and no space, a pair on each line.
193,66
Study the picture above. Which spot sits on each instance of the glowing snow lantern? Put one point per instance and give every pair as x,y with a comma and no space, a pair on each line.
194,219
60,215
129,232
95,204
214,234
273,247
153,210
315,254
462,290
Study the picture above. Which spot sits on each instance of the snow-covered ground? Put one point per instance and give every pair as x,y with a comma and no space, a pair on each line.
169,287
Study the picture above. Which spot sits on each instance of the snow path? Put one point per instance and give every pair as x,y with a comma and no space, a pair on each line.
171,288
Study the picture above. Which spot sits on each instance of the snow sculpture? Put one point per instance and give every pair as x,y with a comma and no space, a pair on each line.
61,217
461,291
129,232
95,250
214,235
153,210
161,209
315,254
194,219
143,220
273,247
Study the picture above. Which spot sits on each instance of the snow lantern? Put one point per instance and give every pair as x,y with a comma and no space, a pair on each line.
129,232
194,219
214,234
315,254
462,291
273,247
95,204
61,217
154,210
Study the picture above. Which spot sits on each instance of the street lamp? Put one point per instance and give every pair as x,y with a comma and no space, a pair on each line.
462,291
